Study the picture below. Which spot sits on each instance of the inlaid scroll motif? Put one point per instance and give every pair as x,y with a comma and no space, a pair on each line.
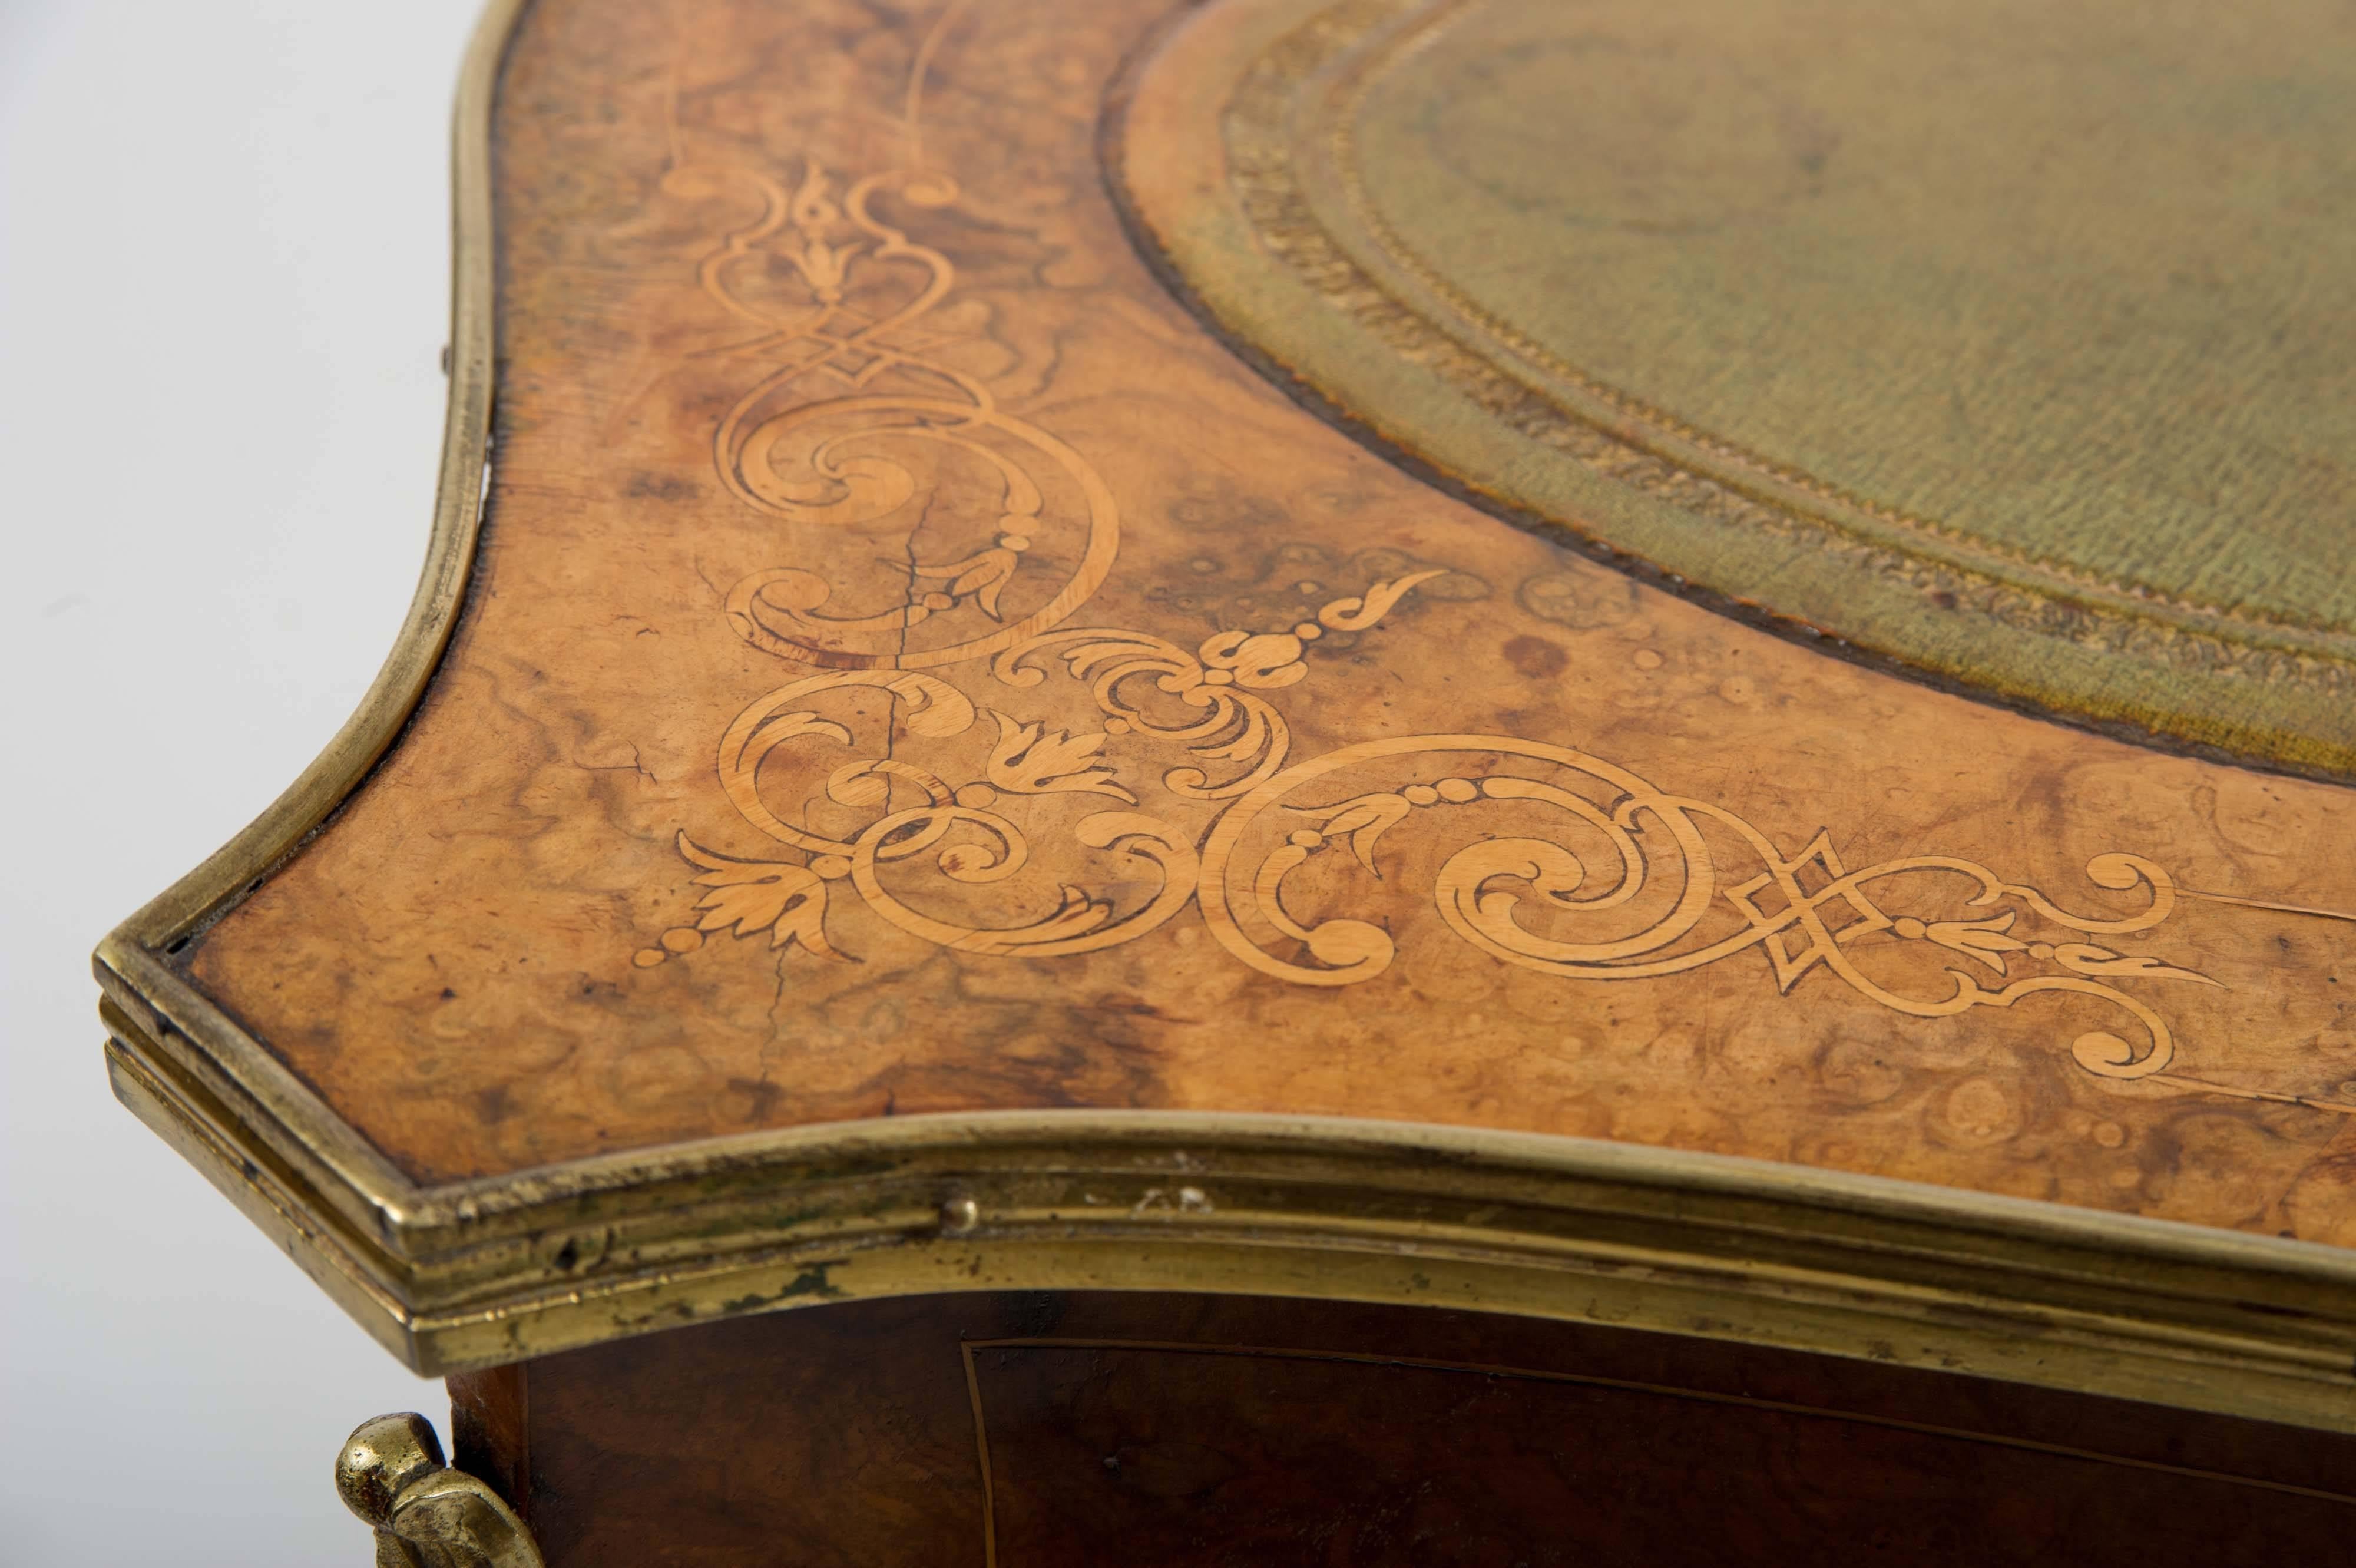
1626,886
1598,876
861,423
1204,705
1537,854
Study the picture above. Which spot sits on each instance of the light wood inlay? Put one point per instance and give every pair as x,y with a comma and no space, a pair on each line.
913,665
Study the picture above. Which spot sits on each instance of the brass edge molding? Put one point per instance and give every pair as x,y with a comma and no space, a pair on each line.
481,1272
282,1208
1559,1228
182,1032
237,866
128,961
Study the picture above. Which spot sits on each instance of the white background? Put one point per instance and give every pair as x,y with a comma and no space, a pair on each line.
223,292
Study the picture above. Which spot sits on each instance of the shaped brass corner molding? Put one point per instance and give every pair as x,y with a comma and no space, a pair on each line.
426,1514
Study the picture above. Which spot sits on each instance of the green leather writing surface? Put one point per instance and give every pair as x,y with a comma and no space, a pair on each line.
2011,341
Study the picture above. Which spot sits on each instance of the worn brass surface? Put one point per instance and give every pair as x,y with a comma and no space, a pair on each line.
426,1514
475,1196
492,1271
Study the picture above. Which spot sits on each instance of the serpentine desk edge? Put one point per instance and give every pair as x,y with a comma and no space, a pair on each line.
472,1272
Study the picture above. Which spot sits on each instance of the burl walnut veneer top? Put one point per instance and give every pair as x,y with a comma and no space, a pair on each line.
913,665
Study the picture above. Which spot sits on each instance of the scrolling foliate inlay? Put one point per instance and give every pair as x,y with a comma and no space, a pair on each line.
855,341
1583,870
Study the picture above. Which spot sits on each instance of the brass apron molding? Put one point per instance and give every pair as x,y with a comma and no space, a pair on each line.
483,1272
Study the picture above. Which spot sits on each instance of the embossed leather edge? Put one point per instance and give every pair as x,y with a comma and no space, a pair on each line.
1186,242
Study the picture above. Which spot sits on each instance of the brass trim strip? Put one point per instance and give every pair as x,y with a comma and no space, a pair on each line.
480,1273
1557,1228
239,865
129,962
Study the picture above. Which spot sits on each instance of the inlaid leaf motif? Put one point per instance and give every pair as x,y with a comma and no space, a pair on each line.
1031,760
980,576
1361,611
1625,886
1981,939
789,901
1362,821
2086,958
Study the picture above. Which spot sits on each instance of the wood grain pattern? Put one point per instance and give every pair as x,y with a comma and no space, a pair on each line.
1233,1429
828,383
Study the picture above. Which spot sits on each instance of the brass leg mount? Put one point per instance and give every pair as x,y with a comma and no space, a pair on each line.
426,1514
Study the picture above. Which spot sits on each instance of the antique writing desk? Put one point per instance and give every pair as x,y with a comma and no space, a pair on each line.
1344,781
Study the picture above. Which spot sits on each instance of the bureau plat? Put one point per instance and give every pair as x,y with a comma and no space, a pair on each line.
1368,782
